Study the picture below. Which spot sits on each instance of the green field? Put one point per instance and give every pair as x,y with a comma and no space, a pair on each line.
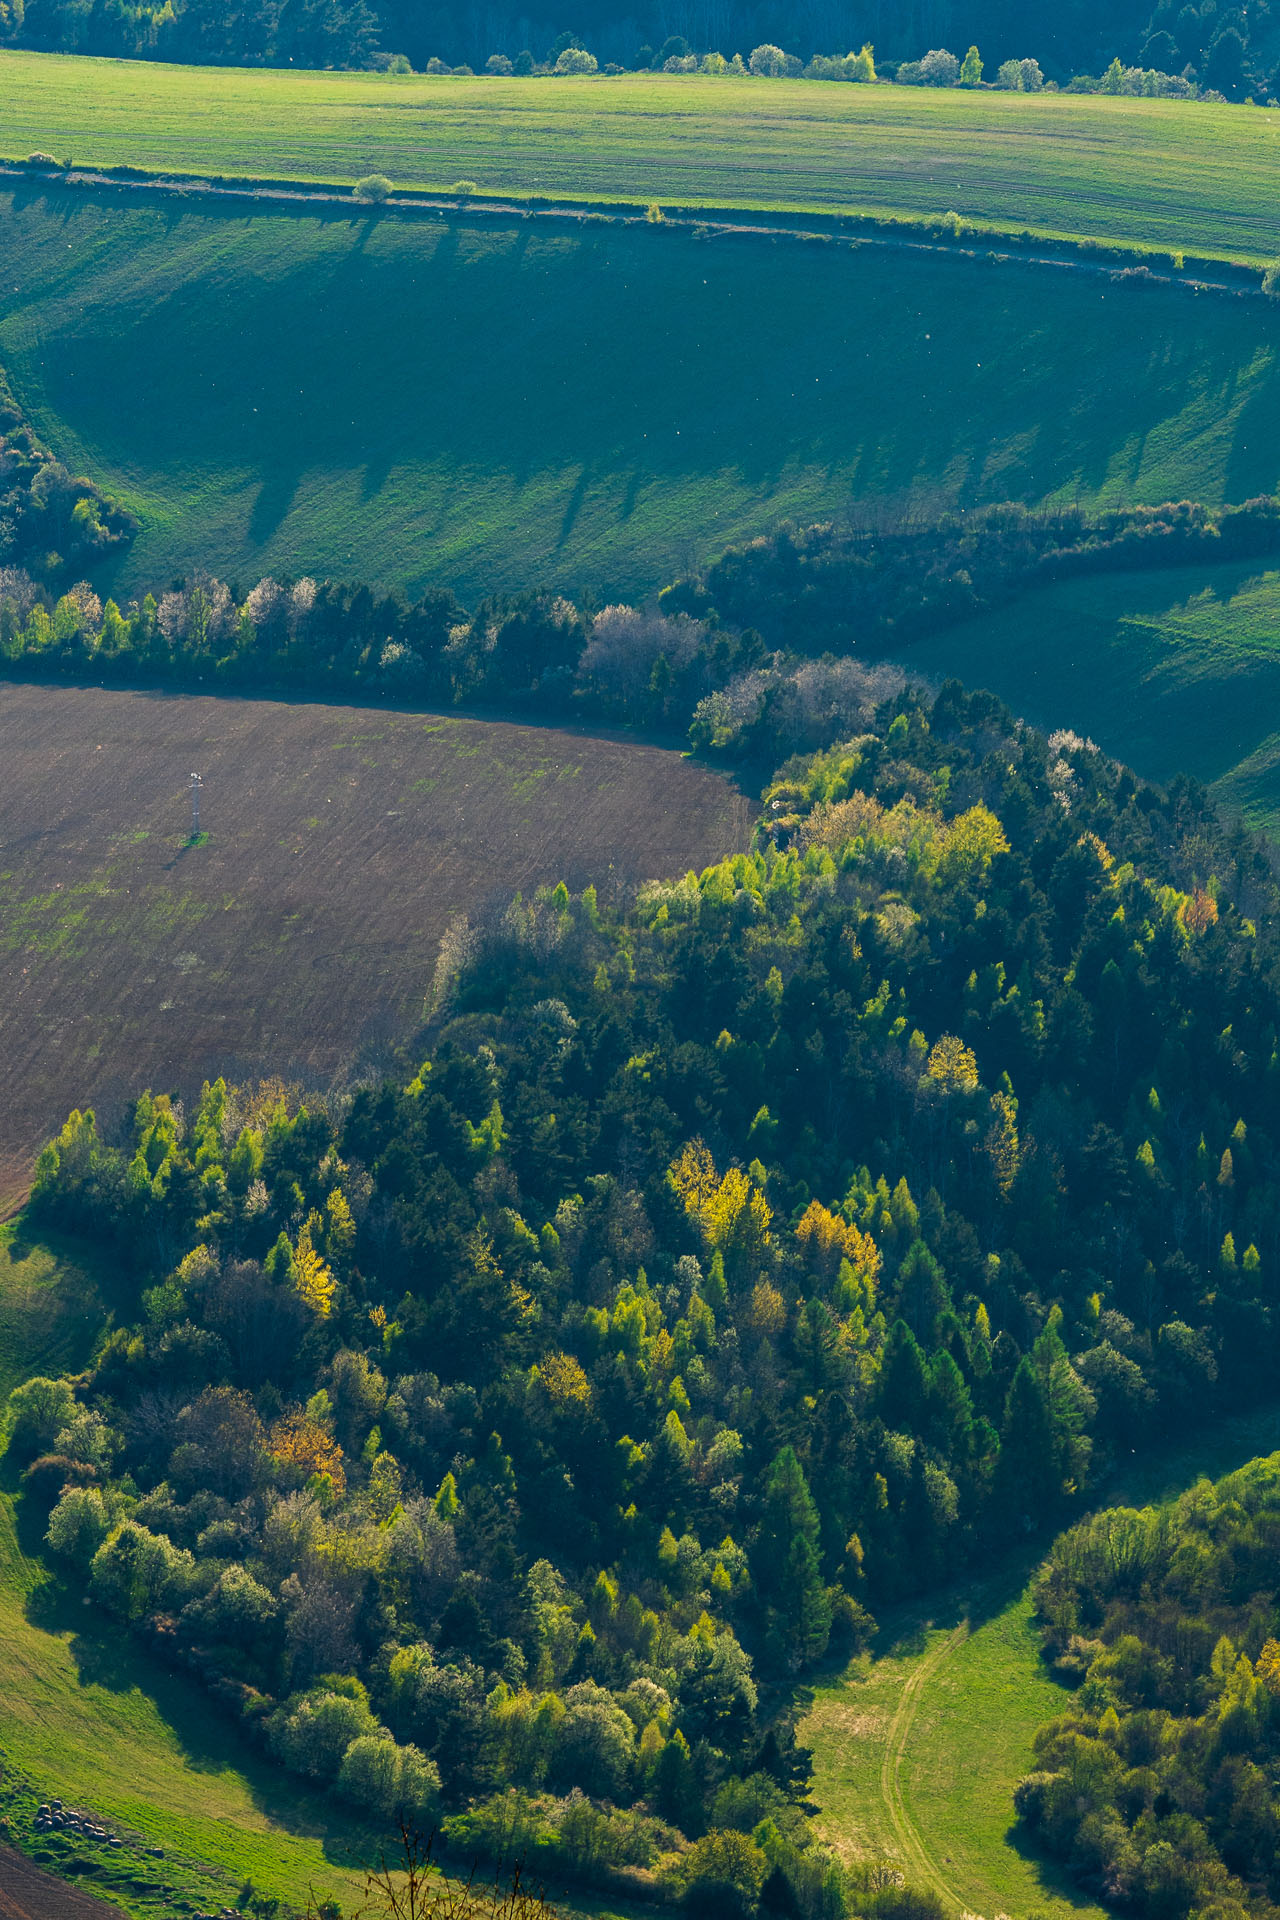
917,1752
354,396
1169,174
85,1714
1176,671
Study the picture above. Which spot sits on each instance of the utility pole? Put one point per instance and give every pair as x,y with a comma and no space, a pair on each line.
196,784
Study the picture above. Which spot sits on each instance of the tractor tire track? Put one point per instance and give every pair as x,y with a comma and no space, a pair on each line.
916,1857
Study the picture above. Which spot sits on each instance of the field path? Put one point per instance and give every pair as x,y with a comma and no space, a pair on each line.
917,1750
915,1852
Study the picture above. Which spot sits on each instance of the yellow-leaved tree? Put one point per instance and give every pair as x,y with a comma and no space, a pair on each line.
313,1279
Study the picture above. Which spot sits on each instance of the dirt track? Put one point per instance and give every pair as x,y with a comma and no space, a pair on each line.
302,938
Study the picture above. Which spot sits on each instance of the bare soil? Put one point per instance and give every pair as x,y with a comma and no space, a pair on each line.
27,1892
300,937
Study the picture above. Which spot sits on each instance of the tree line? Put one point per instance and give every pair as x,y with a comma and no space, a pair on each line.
499,1444
768,651
1229,49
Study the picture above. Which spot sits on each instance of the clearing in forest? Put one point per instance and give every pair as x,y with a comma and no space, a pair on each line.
918,1748
1165,173
301,937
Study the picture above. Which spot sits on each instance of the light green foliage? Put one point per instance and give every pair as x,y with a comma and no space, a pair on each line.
136,1571
392,1782
313,1730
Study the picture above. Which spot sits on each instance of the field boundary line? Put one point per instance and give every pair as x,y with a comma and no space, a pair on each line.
1111,260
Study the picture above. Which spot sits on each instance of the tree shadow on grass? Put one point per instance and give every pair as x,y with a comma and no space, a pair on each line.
108,1658
1053,1877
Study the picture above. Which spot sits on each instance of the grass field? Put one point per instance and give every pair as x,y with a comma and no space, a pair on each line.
1163,173
86,1715
917,1752
1171,671
353,396
302,938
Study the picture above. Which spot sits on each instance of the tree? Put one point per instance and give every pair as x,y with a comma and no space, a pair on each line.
768,60
313,1730
722,1875
398,1784
372,188
786,1566
1028,1457
971,70
78,1526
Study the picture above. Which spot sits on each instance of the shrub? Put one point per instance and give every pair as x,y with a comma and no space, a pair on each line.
397,1783
523,64
399,63
770,62
436,65
722,1875
577,60
498,63
1271,280
43,160
78,1526
464,188
312,1731
372,188
655,216
1020,76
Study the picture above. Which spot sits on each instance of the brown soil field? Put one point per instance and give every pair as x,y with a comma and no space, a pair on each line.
28,1893
301,937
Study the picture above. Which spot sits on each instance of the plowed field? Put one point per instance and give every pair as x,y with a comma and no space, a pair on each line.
301,938
26,1893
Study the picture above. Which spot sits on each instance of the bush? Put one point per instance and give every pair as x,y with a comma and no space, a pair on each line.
464,188
399,63
498,63
78,1526
312,1731
1020,76
577,60
721,1875
771,63
45,160
372,188
397,1783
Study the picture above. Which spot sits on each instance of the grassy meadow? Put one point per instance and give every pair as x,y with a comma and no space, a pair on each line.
919,1746
279,391
1169,174
1175,671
